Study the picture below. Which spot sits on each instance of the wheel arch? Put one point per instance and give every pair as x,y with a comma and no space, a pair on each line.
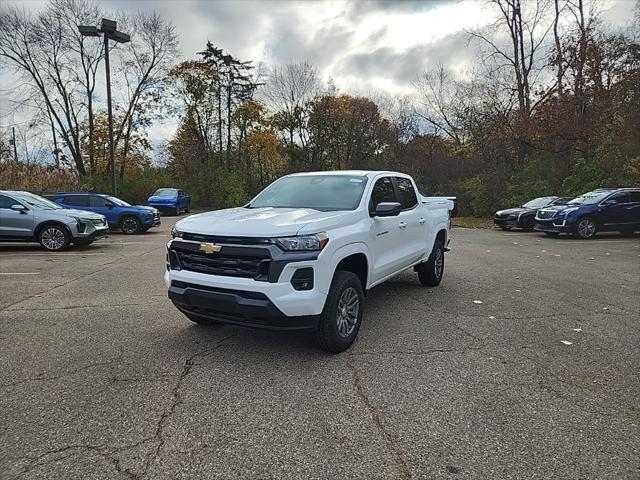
46,223
353,258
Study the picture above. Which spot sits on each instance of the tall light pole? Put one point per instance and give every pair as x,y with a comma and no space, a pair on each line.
108,31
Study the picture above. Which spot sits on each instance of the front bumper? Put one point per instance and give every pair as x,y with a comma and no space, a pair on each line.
506,222
90,231
237,307
153,221
553,225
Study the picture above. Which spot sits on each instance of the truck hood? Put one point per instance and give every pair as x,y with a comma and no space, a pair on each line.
257,222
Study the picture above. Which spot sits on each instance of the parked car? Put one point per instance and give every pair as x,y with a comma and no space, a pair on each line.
171,200
524,217
604,209
25,217
302,253
128,218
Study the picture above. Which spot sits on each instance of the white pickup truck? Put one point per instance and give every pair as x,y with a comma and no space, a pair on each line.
305,250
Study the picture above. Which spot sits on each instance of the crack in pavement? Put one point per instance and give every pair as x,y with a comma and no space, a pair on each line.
396,453
176,401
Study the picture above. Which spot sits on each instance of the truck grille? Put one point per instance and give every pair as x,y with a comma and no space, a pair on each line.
221,264
544,214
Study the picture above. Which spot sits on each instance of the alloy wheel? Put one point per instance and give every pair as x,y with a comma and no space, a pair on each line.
129,225
438,263
586,228
53,238
348,309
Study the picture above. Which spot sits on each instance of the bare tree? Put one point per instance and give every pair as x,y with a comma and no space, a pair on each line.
144,66
289,91
526,27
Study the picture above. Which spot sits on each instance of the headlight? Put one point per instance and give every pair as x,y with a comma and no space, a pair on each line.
175,233
303,242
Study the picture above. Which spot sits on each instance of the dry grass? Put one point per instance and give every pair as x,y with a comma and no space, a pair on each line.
37,178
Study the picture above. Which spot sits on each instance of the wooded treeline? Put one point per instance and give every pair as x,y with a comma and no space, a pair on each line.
551,106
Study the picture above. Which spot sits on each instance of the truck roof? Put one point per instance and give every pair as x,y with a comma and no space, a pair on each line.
360,173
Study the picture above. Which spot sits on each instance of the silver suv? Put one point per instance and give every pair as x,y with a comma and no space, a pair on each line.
27,217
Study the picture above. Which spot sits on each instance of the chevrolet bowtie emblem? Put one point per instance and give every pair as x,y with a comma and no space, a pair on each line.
209,248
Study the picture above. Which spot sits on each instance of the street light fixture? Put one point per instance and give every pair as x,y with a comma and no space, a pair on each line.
108,30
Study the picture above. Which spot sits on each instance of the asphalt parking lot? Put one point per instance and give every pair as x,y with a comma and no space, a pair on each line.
102,378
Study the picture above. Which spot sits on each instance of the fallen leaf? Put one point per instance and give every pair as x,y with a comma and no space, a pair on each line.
517,290
577,329
543,251
492,317
566,342
557,255
515,243
477,301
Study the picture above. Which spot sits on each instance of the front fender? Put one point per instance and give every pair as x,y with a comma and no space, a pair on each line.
336,257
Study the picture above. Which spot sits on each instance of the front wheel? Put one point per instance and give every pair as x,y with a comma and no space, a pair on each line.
430,273
130,225
585,229
342,314
528,224
54,238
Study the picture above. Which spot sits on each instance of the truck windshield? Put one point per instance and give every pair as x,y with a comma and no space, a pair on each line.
318,192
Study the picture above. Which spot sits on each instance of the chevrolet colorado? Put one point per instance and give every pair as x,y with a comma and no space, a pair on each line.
305,250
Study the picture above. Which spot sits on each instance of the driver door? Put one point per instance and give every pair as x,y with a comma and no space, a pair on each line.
385,232
12,222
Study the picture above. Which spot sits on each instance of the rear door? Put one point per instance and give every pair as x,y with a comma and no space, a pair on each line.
12,222
619,210
385,232
412,223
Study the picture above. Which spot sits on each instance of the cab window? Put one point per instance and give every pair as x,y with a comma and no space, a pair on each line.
408,197
99,202
383,191
77,201
7,202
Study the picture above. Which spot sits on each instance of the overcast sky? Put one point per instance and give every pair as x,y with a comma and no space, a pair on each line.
365,46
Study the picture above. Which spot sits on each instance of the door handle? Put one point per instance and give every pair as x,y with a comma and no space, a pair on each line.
402,225
422,220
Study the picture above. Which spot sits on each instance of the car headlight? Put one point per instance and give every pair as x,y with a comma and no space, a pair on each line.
569,210
175,233
303,242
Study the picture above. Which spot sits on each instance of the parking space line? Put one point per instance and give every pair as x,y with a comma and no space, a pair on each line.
20,273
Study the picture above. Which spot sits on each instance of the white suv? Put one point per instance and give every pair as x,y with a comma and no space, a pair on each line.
302,253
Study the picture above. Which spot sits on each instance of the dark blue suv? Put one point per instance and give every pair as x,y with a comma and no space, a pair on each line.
171,200
605,209
128,218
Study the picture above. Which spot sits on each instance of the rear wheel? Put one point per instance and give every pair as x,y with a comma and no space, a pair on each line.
130,225
585,229
431,272
54,238
342,314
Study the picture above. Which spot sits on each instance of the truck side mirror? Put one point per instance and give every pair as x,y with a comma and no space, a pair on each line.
387,209
19,208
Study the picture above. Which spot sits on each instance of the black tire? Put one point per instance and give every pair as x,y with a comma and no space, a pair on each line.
431,272
339,324
176,211
130,225
528,224
585,228
54,238
552,234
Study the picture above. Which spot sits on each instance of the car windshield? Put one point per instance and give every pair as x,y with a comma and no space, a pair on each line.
119,202
591,197
538,202
318,192
37,201
166,192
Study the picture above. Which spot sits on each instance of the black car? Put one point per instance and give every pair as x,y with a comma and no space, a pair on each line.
524,217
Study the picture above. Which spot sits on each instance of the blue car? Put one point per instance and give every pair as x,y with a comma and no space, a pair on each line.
171,200
605,209
128,218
